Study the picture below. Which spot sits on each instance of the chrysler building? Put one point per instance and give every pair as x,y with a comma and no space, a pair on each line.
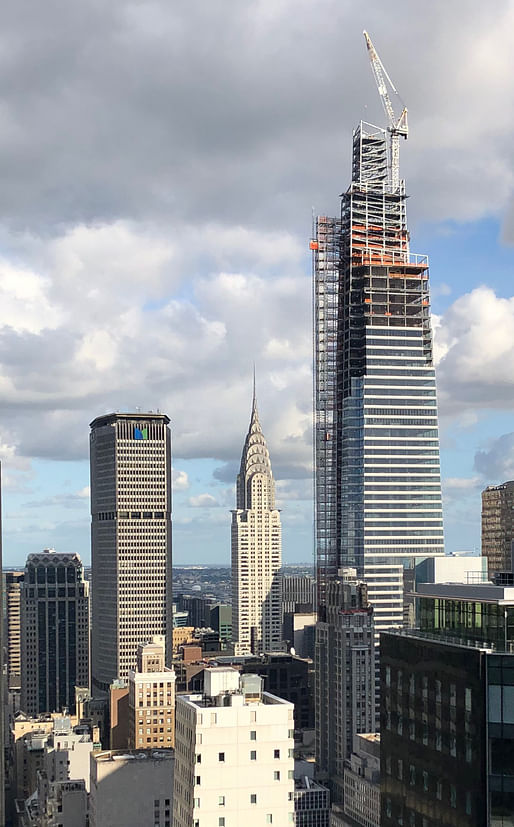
256,550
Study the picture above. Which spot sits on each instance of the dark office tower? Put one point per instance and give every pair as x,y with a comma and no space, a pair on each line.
298,591
345,676
12,632
498,526
130,540
447,710
54,632
377,476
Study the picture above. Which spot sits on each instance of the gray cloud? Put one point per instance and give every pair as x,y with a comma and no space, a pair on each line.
241,113
496,462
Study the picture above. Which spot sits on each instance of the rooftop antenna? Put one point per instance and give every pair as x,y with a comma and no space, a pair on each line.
396,125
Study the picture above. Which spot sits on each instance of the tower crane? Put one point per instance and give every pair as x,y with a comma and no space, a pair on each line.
396,125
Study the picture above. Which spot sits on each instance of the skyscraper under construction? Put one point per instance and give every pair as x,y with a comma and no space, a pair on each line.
377,475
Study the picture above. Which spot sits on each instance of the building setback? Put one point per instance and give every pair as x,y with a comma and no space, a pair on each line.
256,542
377,475
498,526
54,632
131,540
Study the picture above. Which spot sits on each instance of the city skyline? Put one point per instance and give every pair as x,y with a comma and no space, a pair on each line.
99,264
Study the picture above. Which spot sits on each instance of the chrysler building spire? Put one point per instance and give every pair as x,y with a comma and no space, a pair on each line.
255,459
256,548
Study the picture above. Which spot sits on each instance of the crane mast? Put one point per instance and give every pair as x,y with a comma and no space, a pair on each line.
396,125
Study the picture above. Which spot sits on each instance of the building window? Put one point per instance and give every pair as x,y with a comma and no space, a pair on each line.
276,776
253,735
412,775
198,780
453,796
468,699
221,800
276,753
253,798
221,756
253,755
221,821
468,804
439,791
196,802
425,781
269,819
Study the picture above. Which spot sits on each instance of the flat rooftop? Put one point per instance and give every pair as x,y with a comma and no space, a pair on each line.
474,592
135,755
210,701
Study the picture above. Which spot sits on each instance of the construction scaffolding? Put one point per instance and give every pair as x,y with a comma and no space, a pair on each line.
326,247
363,276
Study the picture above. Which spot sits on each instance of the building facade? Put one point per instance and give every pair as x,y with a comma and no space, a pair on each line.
256,542
377,475
220,618
54,632
151,700
448,710
13,581
311,803
132,789
234,755
130,540
498,526
298,593
345,677
362,783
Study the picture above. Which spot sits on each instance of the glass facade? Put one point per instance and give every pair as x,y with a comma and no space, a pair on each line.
55,632
377,477
490,623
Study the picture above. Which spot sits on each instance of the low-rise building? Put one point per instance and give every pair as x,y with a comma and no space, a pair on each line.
311,803
234,754
362,781
132,788
151,699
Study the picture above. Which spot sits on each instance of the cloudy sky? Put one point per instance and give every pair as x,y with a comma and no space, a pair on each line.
159,163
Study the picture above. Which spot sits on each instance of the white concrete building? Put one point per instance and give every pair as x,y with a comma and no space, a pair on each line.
256,550
151,699
131,789
234,755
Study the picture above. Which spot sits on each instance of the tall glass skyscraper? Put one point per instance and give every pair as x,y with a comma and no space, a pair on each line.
377,475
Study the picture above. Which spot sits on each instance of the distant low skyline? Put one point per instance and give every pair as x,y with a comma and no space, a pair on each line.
158,168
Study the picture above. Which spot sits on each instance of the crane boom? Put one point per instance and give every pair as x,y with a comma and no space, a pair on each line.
396,125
